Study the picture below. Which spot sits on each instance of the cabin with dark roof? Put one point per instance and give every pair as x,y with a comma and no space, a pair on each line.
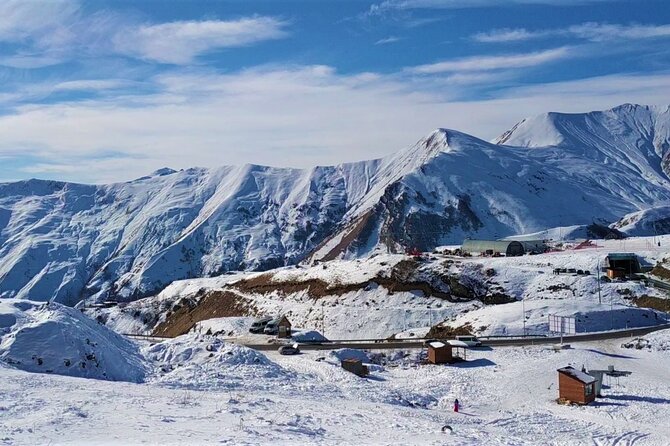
621,264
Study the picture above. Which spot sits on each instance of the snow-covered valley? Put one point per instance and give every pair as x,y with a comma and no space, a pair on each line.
125,309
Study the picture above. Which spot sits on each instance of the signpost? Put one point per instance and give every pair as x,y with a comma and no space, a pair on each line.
562,325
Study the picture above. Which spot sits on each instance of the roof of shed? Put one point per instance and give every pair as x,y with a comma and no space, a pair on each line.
497,245
578,375
621,255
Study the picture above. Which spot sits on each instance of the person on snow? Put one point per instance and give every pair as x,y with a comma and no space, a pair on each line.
456,404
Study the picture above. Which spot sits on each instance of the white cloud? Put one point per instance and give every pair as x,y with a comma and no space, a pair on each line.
56,31
285,116
592,31
508,35
603,31
20,19
387,40
181,42
91,85
487,63
394,5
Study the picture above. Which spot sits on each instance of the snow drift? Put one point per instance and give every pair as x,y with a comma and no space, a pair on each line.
203,362
52,338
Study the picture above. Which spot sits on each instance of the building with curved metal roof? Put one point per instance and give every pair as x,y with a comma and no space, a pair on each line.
491,247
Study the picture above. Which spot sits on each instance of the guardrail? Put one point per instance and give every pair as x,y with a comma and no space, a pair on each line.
656,282
146,337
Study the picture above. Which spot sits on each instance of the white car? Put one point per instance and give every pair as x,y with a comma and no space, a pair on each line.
470,341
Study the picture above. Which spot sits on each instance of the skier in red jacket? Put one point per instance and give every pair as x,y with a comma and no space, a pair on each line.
456,405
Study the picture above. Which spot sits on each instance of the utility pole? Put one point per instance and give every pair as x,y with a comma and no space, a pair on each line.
323,320
523,309
612,311
600,300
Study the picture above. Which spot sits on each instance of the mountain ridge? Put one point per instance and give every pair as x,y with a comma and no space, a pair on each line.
67,241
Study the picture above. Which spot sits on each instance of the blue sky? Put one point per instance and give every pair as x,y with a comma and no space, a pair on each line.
112,90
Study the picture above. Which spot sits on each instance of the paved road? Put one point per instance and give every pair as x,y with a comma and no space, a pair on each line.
418,343
383,344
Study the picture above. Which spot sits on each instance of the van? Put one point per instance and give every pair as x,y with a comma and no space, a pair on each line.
470,341
259,325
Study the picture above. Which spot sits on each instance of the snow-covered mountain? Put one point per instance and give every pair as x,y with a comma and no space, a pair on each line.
66,241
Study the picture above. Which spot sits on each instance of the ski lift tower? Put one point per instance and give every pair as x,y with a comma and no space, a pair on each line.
563,325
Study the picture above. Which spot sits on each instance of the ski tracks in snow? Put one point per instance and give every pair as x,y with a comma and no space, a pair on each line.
626,439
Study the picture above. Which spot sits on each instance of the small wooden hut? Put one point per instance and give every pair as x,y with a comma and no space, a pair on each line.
575,386
283,328
439,352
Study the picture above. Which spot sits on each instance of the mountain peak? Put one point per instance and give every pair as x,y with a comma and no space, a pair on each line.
163,172
554,129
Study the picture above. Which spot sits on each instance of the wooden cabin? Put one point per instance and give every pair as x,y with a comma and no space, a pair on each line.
283,328
439,352
356,367
575,386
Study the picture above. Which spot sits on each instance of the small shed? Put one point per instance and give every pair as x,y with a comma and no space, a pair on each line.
283,327
492,247
622,262
439,352
356,367
575,386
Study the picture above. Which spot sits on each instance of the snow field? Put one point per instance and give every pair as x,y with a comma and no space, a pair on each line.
507,397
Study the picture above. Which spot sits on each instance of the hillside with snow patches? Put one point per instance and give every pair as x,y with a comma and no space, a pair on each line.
68,242
394,295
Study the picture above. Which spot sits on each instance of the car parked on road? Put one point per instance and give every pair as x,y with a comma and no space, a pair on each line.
272,327
259,325
470,341
289,350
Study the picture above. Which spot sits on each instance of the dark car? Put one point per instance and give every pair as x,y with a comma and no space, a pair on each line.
259,325
289,350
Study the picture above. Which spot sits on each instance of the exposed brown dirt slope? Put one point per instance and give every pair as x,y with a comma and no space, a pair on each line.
660,271
655,303
447,332
355,231
209,305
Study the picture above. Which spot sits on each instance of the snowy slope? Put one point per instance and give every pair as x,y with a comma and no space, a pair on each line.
52,338
507,397
68,242
652,221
